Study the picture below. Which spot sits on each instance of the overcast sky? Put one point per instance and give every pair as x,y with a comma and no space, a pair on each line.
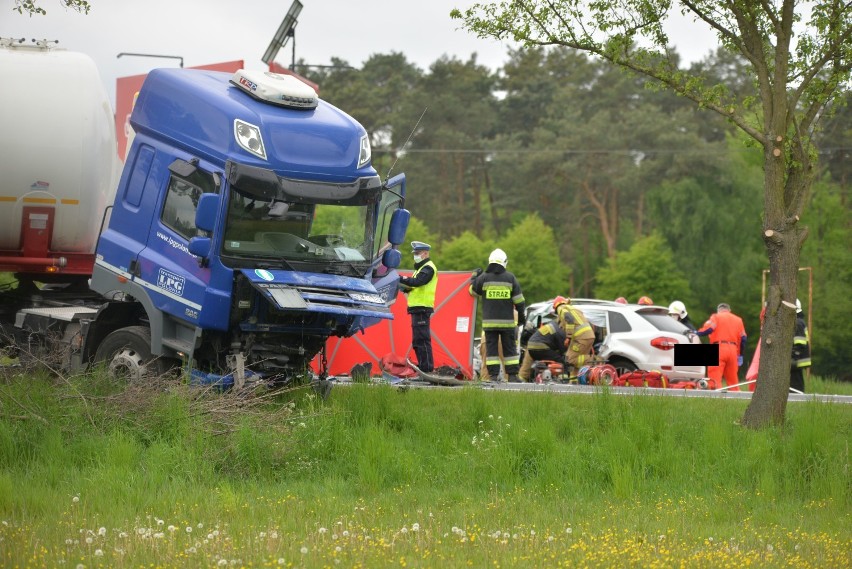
211,31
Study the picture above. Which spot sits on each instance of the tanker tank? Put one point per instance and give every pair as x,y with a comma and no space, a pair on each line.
59,161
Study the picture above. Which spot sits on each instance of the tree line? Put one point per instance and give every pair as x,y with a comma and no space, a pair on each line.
597,184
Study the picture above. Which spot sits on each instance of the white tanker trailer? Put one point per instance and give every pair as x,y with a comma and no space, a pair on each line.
58,162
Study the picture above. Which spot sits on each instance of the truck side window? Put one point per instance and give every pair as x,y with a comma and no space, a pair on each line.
388,205
182,201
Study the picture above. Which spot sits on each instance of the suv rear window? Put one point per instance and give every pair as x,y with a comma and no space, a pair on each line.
662,321
618,323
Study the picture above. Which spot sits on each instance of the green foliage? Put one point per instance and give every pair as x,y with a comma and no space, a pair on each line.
417,231
709,217
534,259
465,252
647,268
451,467
828,253
32,7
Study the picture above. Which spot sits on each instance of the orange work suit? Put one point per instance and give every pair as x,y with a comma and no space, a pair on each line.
726,329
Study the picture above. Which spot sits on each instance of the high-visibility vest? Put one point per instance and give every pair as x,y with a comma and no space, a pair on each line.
424,295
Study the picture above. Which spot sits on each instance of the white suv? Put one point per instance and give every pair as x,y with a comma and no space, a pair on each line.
628,336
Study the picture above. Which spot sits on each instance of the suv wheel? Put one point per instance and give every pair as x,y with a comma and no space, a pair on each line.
622,365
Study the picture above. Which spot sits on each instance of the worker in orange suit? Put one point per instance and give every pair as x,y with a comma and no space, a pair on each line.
725,329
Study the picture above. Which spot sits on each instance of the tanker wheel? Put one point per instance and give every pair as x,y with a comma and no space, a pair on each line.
126,353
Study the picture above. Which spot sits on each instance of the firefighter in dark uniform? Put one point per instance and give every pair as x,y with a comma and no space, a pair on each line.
801,351
546,343
420,288
501,297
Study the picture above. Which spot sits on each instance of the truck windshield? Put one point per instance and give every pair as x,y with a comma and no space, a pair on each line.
298,235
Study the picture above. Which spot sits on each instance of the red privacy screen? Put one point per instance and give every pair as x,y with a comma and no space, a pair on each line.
452,331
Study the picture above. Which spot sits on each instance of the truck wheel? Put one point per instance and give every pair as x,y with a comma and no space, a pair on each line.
126,353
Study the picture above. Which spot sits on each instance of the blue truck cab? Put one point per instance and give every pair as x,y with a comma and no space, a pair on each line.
248,227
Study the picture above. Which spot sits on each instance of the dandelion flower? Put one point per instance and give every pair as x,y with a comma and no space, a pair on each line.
188,529
191,550
281,561
172,528
89,540
222,562
99,553
69,541
338,549
304,550
346,533
81,566
75,499
404,530
415,527
322,530
568,530
200,525
532,532
159,535
159,521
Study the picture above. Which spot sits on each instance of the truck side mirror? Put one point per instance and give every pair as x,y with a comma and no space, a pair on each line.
392,258
205,215
200,246
398,226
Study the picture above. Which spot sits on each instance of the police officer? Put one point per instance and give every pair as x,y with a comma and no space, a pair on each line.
421,287
502,298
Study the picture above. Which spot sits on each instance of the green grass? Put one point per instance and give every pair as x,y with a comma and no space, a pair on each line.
105,475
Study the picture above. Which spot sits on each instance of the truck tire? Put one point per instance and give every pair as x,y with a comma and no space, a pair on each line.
126,353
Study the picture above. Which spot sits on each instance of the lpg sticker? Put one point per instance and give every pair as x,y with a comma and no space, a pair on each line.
264,274
170,282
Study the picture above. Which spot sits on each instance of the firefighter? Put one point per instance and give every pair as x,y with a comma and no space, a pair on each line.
801,351
546,343
725,329
502,299
677,310
580,336
420,288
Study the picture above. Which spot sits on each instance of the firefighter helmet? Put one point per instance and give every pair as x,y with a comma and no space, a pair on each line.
646,301
560,300
498,256
677,307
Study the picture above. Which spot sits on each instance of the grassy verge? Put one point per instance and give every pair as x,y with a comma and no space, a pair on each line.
96,474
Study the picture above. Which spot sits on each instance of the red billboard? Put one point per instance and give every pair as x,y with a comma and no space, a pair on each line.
452,331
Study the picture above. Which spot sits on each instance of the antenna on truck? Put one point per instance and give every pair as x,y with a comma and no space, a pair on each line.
401,148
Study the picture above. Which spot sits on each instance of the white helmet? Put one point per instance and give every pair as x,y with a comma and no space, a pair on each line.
498,256
677,307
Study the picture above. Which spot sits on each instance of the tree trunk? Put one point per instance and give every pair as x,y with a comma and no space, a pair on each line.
783,238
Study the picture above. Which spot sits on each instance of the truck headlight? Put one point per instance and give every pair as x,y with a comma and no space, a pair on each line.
366,152
248,137
367,297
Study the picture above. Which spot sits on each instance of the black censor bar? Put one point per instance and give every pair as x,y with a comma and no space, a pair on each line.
696,354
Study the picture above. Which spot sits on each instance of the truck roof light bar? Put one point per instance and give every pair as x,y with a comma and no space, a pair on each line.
275,88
